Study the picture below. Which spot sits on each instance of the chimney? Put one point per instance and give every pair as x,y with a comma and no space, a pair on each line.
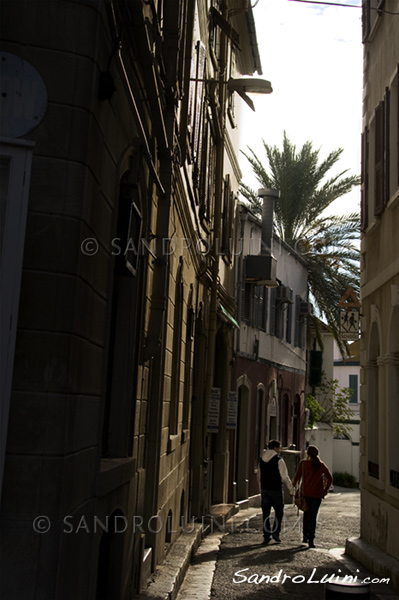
262,269
268,195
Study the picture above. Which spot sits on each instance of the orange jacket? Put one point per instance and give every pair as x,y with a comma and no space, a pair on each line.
316,482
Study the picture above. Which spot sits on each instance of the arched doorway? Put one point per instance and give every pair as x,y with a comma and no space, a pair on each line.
272,413
243,416
393,403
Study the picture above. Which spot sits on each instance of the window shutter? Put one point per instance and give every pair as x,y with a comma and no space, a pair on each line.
242,307
199,92
289,324
386,147
365,19
353,384
297,331
261,316
265,307
256,311
273,311
204,173
379,160
365,180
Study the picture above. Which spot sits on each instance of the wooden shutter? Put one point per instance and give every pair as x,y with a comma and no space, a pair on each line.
199,93
225,216
365,19
353,384
379,160
365,180
273,311
288,336
297,331
386,147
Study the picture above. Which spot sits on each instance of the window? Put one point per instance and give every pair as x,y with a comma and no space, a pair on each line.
288,330
16,158
379,160
196,108
300,320
124,326
226,225
279,330
254,305
365,179
273,311
370,15
260,307
206,175
231,97
353,384
187,361
176,355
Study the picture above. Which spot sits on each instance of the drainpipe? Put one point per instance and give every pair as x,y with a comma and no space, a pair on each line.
216,231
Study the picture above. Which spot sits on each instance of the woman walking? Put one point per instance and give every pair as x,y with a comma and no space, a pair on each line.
315,479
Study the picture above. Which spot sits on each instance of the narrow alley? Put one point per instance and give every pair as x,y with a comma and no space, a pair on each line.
232,562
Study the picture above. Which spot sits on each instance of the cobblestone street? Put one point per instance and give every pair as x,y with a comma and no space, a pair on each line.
242,559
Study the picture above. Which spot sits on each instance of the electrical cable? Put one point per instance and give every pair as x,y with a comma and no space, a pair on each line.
381,10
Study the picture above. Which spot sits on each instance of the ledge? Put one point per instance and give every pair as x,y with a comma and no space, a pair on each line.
113,473
374,559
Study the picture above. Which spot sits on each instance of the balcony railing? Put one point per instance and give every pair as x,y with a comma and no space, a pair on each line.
394,478
374,469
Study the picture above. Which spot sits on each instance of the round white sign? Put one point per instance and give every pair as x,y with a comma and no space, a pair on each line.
23,96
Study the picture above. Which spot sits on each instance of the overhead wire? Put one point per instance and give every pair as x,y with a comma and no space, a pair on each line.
383,10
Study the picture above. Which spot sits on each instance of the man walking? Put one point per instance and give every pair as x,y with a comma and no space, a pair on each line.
273,472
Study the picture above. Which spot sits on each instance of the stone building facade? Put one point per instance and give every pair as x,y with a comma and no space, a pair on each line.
119,142
379,445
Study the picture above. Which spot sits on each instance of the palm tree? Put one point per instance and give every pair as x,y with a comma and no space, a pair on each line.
329,244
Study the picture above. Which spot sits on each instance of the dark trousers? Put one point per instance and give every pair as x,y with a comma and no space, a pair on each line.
310,517
272,499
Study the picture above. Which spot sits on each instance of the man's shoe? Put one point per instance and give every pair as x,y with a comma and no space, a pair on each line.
311,544
305,540
277,539
266,541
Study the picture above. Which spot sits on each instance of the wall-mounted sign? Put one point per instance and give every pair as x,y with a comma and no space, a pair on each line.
349,325
349,299
232,410
349,316
214,410
23,96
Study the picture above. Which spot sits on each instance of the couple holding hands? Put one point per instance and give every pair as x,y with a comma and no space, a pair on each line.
313,478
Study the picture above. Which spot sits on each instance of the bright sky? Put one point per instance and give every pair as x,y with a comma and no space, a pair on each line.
312,55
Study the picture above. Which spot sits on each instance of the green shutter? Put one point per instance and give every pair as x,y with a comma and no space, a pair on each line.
353,384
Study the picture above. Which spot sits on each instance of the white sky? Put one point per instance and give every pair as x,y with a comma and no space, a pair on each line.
312,55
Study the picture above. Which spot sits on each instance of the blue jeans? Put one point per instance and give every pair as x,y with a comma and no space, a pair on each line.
272,499
309,518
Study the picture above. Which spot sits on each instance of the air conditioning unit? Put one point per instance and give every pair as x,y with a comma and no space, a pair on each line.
284,294
304,308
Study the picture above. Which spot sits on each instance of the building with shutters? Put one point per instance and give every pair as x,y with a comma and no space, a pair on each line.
270,349
379,351
118,151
